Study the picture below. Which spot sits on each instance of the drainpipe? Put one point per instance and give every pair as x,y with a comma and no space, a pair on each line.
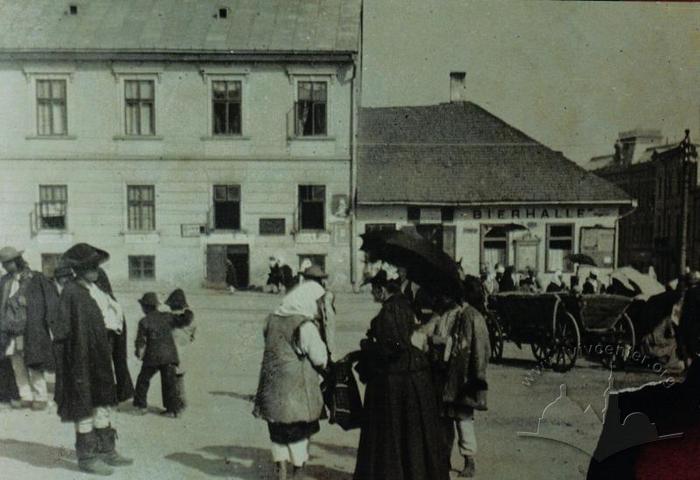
617,230
355,105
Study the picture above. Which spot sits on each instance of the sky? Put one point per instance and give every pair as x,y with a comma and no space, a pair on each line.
572,75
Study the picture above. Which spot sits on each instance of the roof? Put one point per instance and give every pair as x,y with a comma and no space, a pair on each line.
458,153
180,26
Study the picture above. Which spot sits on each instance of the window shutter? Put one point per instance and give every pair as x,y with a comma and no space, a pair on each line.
292,121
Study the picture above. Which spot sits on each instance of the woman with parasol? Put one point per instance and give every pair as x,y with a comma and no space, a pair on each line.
400,433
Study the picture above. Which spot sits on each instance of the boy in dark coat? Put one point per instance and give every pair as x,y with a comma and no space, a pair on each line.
156,348
88,390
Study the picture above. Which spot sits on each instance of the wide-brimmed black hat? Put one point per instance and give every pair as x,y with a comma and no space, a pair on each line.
314,271
150,299
176,300
83,255
62,271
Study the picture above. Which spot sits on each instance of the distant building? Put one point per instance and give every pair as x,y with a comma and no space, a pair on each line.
481,189
651,171
177,135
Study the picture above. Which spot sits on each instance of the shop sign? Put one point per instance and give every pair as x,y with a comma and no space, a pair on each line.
524,213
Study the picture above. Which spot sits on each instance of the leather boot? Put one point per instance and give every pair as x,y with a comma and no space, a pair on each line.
469,467
88,459
106,447
281,469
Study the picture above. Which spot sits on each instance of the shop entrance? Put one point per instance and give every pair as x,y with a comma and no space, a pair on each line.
238,255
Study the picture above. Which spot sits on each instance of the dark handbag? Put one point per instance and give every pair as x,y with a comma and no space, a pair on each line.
342,397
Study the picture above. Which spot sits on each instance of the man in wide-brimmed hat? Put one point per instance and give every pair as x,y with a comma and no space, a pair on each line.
86,316
24,328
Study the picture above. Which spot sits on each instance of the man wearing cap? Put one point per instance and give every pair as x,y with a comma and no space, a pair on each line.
24,328
86,316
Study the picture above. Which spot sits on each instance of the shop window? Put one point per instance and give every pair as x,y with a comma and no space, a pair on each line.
227,207
413,214
494,246
226,107
51,107
272,226
560,244
141,206
142,267
312,207
53,201
318,260
379,227
599,243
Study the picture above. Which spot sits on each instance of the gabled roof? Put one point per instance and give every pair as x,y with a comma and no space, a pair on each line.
180,26
458,153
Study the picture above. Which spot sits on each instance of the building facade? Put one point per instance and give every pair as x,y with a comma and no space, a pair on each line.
482,190
653,172
203,134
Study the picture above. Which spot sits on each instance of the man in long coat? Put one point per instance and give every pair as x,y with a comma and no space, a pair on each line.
87,375
25,316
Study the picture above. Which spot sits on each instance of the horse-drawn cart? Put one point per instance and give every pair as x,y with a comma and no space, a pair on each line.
559,327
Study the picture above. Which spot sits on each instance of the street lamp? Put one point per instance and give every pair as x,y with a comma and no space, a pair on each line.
689,153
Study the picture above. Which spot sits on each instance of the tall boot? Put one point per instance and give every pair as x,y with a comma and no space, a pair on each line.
106,447
88,459
469,467
281,469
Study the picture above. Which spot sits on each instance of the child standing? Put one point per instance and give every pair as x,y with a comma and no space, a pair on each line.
183,336
156,348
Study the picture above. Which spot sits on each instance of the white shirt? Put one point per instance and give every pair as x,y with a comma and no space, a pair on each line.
111,310
311,345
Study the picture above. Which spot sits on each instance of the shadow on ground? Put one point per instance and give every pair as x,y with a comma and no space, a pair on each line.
247,463
38,454
248,397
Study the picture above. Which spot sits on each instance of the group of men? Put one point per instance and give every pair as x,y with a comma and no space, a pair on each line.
506,279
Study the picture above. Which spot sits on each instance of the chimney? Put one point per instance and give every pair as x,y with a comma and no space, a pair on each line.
458,91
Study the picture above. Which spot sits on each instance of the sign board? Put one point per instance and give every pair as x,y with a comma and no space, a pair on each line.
190,230
599,244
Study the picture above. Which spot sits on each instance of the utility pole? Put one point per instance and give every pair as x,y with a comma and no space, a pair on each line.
688,152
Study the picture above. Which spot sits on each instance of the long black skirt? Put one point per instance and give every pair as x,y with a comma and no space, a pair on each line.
285,433
401,436
8,385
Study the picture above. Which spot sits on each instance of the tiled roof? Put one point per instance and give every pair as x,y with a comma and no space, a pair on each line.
180,25
458,153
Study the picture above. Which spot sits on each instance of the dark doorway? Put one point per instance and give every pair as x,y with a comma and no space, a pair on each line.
239,255
441,235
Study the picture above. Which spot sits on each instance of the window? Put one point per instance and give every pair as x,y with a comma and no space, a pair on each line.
599,243
318,260
311,109
227,207
447,214
560,244
226,107
312,207
53,200
380,227
139,107
494,246
51,117
141,207
272,226
142,267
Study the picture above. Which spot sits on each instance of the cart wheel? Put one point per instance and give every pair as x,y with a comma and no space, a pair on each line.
495,337
625,342
565,343
541,352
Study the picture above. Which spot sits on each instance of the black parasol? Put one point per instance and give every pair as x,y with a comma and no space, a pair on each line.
581,259
426,264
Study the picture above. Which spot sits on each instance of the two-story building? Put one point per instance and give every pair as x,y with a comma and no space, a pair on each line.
177,135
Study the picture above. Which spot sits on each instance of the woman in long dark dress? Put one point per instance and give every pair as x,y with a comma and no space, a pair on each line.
401,437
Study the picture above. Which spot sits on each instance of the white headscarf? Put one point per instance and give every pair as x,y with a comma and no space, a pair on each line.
301,301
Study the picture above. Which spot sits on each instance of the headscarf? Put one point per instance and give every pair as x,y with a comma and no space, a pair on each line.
557,278
301,301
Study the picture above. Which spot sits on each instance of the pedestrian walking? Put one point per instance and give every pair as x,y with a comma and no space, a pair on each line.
274,277
89,390
155,347
183,337
460,349
400,434
24,328
117,339
289,395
